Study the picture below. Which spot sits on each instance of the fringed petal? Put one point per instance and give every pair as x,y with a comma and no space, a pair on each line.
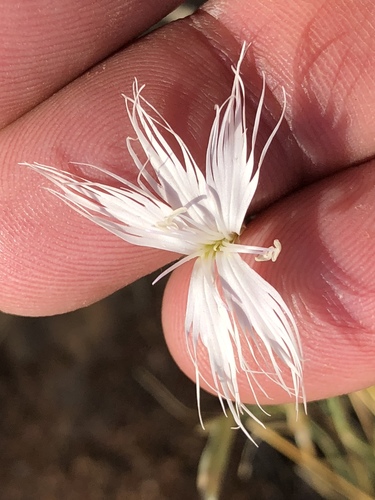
209,321
245,327
231,171
135,215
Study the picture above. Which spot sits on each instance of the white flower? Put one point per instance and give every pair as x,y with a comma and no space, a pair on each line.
230,309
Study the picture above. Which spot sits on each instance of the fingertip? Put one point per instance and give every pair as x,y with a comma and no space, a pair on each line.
329,293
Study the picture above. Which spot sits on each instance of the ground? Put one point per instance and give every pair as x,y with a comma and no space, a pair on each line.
93,407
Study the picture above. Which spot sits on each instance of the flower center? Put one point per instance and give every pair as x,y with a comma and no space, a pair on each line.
210,249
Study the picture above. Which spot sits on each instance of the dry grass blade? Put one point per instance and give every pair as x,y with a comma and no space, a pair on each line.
335,482
215,456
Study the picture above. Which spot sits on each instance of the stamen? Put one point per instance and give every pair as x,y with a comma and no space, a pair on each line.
270,253
167,222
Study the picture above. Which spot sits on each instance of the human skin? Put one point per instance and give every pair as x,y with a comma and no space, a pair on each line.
60,96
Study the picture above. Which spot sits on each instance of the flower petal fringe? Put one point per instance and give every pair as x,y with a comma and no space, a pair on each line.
240,319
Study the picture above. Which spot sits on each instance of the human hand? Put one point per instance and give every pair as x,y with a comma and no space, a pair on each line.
53,260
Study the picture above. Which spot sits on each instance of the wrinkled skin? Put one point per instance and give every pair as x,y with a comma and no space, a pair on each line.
60,95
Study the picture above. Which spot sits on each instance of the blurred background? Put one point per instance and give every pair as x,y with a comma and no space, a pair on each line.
93,407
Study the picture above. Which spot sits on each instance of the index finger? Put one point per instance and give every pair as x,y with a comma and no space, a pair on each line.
45,45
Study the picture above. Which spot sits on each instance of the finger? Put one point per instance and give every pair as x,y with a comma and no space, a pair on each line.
325,273
86,122
323,53
53,260
44,45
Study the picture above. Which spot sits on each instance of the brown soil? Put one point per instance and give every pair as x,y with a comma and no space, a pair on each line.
80,420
